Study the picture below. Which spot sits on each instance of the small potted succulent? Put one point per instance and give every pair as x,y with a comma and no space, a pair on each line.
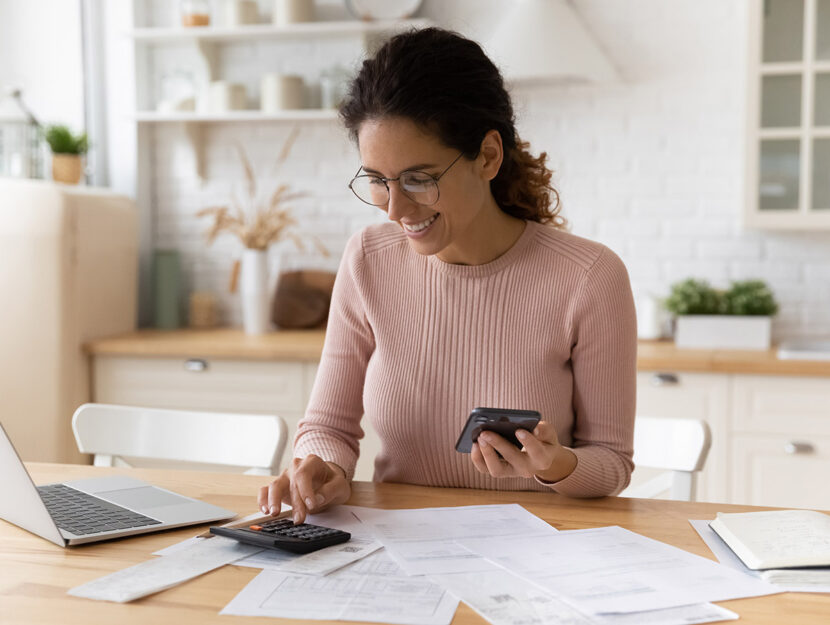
737,318
67,152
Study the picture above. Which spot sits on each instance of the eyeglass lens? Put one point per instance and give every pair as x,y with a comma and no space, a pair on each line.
417,186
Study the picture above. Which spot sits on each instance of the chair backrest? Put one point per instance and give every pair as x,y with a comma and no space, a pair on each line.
678,446
223,439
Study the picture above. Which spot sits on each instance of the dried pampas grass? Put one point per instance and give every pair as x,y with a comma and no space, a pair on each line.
263,224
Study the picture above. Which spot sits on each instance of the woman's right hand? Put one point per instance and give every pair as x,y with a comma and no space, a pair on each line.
310,485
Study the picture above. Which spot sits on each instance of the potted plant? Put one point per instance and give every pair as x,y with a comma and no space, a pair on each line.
67,150
707,318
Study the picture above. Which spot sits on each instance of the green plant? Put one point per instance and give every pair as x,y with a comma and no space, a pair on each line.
62,141
750,297
693,297
696,297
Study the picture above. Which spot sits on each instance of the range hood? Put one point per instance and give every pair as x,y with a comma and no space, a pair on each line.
545,41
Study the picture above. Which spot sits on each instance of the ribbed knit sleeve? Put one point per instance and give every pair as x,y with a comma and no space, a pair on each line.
604,362
331,426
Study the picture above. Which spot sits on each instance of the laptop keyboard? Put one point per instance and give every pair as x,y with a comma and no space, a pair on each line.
80,513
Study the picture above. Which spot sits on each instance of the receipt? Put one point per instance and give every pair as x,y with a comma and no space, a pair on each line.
162,573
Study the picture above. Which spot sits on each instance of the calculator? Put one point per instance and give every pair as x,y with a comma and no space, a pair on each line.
284,535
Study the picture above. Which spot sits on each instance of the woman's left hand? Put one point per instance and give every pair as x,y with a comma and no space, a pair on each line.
543,456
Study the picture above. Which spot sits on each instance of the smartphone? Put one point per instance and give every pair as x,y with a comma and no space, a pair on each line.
498,420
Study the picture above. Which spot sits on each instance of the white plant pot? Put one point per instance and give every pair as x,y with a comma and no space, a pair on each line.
723,332
254,292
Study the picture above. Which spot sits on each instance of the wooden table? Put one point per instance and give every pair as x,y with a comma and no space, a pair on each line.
35,574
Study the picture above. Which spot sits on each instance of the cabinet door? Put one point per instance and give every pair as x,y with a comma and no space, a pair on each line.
264,387
702,396
781,440
781,470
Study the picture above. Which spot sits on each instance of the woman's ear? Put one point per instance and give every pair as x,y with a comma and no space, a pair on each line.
491,154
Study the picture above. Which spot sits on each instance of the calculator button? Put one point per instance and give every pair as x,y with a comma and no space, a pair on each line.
256,527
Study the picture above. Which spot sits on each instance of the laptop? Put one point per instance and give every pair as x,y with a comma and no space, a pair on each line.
93,509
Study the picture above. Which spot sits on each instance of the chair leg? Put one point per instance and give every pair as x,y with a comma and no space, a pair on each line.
103,460
683,486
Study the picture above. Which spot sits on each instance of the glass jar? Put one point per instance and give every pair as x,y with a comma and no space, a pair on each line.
194,12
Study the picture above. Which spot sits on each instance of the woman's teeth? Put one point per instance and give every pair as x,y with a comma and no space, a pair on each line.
422,225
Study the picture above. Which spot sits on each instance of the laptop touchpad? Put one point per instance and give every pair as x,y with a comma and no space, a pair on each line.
142,497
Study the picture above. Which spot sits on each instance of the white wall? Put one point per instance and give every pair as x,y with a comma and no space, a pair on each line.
651,166
40,52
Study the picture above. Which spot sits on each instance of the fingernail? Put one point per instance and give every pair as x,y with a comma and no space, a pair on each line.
320,500
484,437
273,509
482,442
264,509
522,434
309,502
296,519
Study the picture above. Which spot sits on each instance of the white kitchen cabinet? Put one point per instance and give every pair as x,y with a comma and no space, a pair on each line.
770,433
767,470
788,115
780,441
702,396
221,385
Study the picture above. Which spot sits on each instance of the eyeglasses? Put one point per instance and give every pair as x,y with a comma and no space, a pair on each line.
418,186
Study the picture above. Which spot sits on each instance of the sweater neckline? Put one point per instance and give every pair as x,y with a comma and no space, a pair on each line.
495,265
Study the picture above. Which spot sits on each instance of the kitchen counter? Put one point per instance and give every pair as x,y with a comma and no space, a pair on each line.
307,345
230,343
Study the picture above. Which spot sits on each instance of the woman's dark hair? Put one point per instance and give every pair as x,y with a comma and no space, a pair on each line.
445,83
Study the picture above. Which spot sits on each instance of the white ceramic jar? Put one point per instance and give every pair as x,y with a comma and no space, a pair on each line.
292,11
226,96
241,12
280,92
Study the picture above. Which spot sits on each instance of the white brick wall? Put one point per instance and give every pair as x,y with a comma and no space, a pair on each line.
651,166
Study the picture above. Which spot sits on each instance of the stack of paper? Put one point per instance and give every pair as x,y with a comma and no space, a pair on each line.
525,572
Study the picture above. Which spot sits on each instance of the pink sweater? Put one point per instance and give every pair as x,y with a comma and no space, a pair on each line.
415,343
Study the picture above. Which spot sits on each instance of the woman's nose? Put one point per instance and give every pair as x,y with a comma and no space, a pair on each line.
399,204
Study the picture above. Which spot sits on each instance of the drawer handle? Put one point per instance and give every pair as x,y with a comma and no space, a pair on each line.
664,379
794,447
195,364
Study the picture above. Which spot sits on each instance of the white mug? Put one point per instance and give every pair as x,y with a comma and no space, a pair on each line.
280,92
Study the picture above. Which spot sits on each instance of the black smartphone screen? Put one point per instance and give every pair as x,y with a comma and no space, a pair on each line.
499,420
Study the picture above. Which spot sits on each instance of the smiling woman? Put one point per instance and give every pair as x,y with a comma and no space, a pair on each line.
473,295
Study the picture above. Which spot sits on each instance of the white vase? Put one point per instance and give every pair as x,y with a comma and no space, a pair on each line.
254,291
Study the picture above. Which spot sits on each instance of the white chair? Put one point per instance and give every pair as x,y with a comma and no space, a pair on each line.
118,433
678,446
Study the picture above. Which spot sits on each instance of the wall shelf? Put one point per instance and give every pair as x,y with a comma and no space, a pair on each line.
297,115
269,31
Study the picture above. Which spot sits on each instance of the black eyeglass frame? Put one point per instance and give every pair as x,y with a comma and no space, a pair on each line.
386,182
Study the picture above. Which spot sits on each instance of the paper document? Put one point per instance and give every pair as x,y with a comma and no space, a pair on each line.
161,573
728,558
319,562
505,599
422,541
610,569
373,589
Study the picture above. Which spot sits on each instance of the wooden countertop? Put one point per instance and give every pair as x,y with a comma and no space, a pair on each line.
307,345
230,343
